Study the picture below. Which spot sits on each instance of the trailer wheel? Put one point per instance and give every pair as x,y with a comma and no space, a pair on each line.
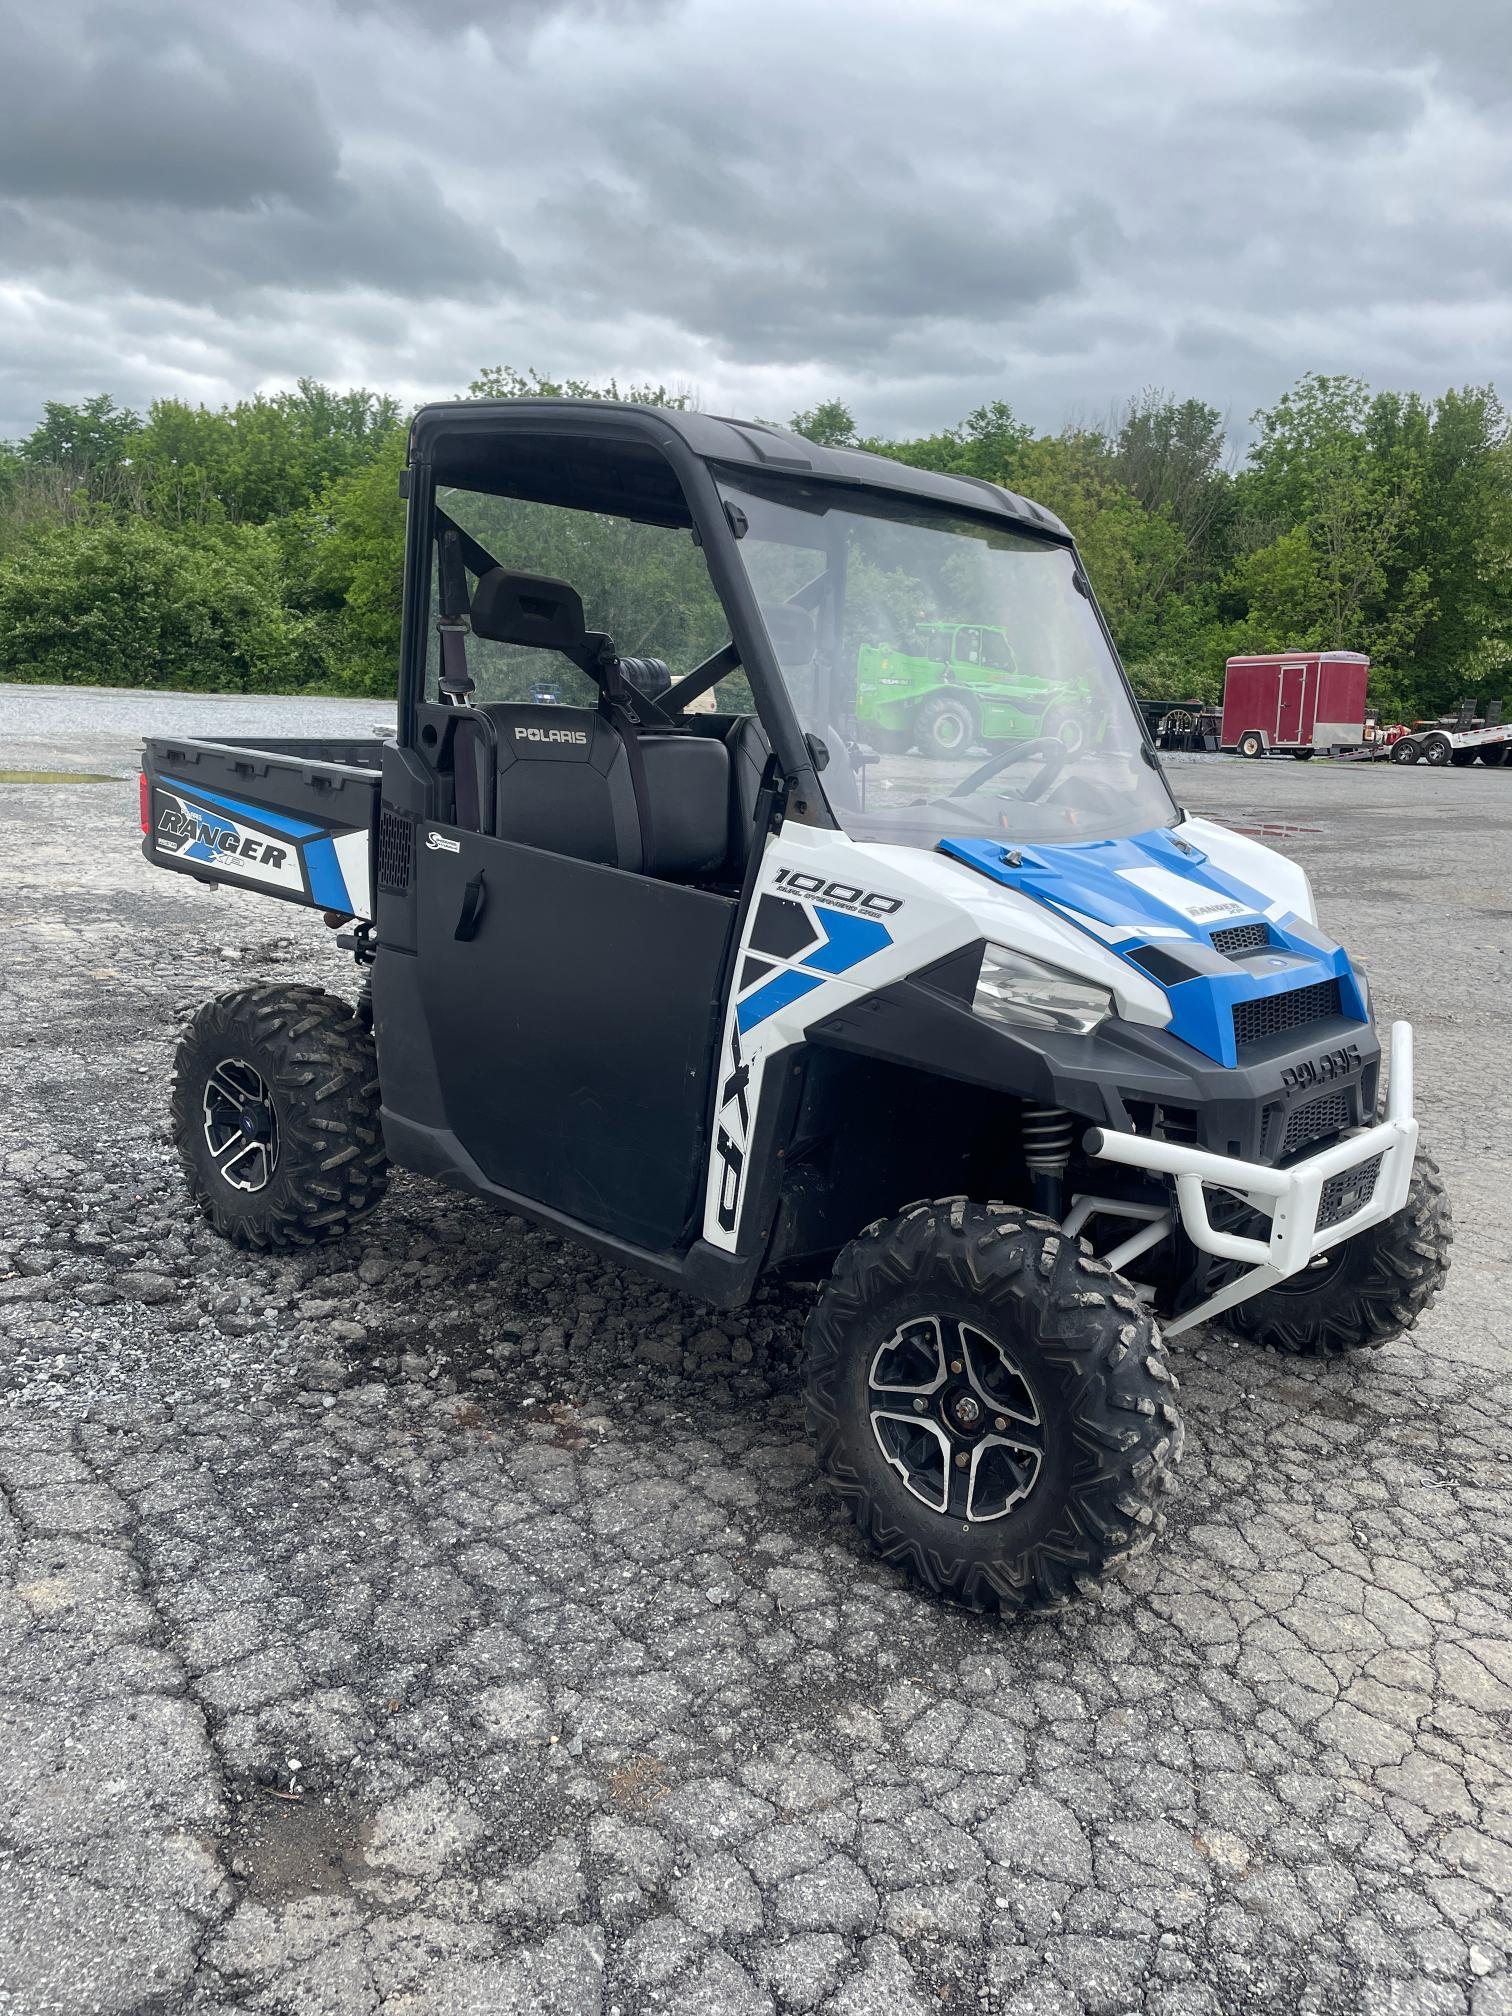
991,1405
1304,755
1251,745
275,1116
1494,755
945,725
1437,749
1462,758
1364,1291
1405,752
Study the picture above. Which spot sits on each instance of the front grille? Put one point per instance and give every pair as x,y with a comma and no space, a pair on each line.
1234,938
396,850
1328,1115
1348,1192
1274,1014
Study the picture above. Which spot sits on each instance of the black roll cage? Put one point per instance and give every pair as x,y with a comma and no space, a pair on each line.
564,426
696,449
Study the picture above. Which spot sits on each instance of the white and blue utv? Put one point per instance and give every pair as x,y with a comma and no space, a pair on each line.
673,962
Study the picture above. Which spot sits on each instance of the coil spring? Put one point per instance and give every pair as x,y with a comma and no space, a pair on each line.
1047,1139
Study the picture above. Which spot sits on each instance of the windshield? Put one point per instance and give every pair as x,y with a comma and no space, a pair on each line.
956,674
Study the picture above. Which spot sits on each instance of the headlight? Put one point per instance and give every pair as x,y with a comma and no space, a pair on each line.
1016,989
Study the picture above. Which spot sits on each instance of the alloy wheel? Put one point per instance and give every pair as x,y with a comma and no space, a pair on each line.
955,1417
241,1125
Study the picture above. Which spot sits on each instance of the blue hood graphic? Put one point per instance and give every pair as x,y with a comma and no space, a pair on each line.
1158,903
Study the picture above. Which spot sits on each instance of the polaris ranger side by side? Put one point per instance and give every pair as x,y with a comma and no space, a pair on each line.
720,993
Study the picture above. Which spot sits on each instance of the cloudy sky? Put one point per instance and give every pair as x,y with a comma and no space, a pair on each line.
914,204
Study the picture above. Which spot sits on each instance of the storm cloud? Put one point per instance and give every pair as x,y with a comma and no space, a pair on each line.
916,206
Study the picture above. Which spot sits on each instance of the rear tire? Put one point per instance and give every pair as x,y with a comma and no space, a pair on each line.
275,1116
1462,758
1304,755
1405,752
1251,746
1010,1314
1368,1290
945,726
1437,750
1494,755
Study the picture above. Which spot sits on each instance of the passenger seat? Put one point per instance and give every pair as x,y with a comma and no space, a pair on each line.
562,780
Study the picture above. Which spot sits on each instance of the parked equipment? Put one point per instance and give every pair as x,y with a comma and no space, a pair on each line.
957,686
1295,702
1457,740
725,994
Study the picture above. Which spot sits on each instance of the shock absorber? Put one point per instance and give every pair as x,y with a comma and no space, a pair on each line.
1047,1151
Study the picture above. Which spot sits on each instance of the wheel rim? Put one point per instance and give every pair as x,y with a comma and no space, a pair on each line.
950,733
241,1125
953,1414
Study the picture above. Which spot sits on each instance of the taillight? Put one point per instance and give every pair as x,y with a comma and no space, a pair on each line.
144,799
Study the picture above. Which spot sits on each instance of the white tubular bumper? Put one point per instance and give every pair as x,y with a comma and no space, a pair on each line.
1312,1205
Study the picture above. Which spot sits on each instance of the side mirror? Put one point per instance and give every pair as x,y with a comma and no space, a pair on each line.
791,630
528,609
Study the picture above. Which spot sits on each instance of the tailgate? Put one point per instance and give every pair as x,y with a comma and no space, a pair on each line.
275,818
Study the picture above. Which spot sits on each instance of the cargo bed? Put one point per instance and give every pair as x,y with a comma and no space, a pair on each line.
289,818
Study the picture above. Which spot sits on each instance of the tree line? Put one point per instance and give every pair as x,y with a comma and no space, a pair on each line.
258,547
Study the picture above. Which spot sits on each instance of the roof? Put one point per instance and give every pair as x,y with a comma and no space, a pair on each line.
750,444
1291,657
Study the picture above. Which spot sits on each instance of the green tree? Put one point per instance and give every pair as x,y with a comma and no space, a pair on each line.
119,601
828,425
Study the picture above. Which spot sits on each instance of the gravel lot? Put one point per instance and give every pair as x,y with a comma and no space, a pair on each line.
446,1623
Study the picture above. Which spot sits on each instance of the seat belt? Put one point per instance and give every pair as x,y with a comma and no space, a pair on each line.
617,705
456,682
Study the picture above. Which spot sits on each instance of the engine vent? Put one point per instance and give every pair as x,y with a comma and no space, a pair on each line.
1328,1115
1274,1014
1236,938
396,850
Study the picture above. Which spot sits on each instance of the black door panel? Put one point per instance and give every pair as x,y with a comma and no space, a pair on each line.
573,1012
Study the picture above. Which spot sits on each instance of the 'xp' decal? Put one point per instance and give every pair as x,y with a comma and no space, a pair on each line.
732,1151
791,948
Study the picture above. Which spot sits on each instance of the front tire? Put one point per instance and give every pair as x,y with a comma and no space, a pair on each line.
275,1116
1437,750
1405,752
1366,1290
945,726
992,1406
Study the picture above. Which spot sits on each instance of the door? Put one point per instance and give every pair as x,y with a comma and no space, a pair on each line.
1289,703
573,1012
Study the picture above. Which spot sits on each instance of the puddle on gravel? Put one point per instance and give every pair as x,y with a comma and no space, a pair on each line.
1267,829
56,777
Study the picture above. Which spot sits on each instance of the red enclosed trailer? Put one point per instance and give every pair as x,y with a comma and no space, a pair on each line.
1298,701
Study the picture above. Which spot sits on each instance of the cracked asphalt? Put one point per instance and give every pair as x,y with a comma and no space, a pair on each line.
445,1623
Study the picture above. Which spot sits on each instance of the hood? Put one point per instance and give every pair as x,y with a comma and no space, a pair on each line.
1206,938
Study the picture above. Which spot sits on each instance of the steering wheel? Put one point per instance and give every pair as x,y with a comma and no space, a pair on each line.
1049,748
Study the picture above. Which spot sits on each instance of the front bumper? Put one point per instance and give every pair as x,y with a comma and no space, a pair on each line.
1312,1205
